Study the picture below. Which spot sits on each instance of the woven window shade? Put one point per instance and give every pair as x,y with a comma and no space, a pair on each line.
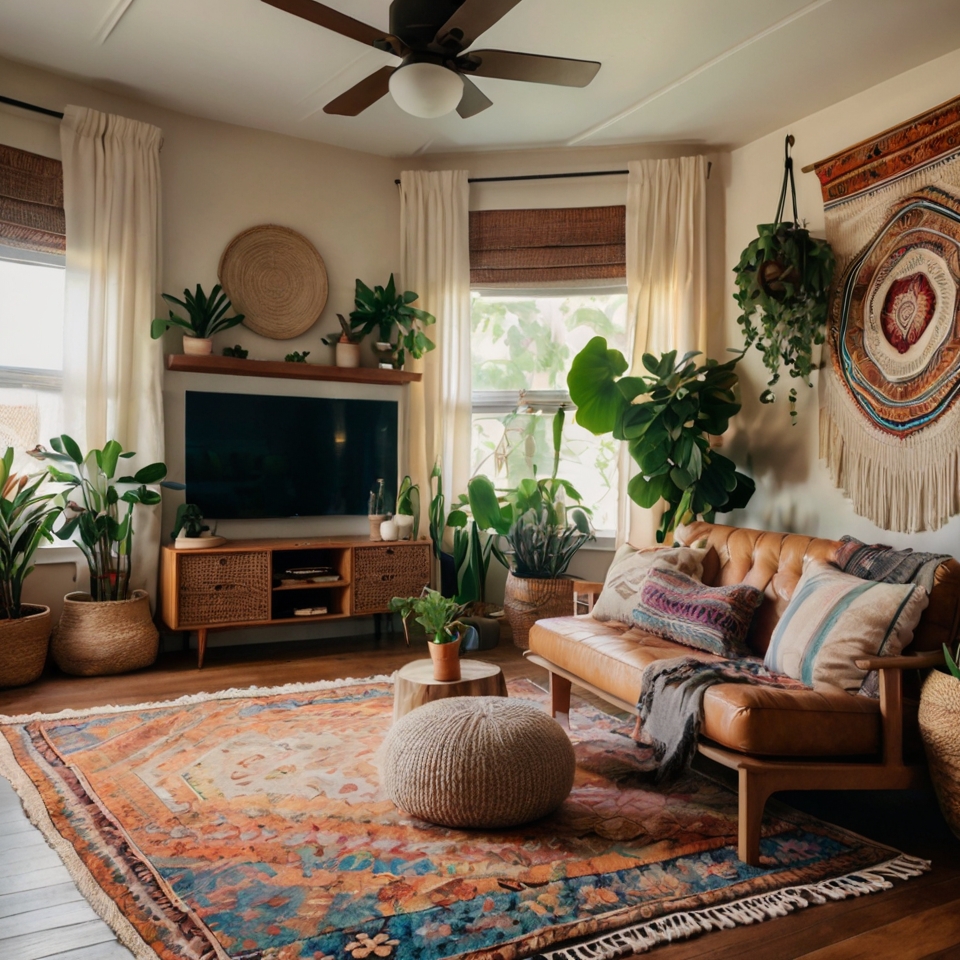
531,247
31,201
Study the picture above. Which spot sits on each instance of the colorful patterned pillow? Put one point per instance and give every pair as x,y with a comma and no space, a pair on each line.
833,618
626,575
713,619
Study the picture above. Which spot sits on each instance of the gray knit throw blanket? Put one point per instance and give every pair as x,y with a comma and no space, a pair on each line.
671,704
886,565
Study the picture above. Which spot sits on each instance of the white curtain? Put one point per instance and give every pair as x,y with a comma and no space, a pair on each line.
666,286
435,263
112,376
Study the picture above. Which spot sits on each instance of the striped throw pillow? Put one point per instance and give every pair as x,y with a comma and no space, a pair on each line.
713,619
833,618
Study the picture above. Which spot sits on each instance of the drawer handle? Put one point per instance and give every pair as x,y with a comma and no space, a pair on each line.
389,551
223,561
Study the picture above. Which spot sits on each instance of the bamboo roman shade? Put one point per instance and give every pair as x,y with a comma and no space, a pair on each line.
535,247
31,201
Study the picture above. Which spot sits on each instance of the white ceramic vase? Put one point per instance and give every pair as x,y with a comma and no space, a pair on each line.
197,346
404,524
348,354
388,530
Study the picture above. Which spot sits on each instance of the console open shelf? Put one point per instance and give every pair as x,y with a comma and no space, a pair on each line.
234,367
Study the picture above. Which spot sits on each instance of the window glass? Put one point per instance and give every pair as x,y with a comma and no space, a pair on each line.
522,348
31,315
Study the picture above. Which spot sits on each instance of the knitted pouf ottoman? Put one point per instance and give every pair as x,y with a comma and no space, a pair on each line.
477,762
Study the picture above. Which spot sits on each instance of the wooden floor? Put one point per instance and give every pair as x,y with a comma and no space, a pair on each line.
44,917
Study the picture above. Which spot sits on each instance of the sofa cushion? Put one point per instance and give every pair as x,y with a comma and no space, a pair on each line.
676,607
759,720
628,571
834,618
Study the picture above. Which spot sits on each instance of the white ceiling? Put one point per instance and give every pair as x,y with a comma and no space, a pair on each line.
722,72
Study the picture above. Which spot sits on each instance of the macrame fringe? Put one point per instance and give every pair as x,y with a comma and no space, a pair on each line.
765,906
905,485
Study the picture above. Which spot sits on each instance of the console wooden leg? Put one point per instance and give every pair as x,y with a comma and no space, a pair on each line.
559,695
201,646
753,795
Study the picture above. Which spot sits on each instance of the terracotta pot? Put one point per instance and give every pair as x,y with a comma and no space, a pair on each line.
95,638
446,660
529,599
197,346
348,354
23,645
940,729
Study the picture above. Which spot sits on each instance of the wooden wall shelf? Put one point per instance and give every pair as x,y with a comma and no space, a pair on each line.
234,367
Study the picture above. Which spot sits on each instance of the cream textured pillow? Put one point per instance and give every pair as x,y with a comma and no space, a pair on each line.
621,590
833,618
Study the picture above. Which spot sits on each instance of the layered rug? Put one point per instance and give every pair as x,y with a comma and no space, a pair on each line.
250,825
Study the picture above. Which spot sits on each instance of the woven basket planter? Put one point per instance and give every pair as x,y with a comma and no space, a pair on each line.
23,645
113,636
940,729
527,600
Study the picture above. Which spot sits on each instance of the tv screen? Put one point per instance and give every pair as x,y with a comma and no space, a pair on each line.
251,456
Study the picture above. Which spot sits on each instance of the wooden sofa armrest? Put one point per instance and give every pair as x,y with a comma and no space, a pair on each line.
585,593
909,661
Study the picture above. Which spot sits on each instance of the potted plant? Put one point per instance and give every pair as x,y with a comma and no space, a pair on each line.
189,530
110,629
27,516
398,325
542,536
667,416
940,729
408,510
440,617
346,344
205,318
784,275
297,356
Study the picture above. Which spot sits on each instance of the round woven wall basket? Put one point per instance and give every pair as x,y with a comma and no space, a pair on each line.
940,729
276,278
23,645
95,638
528,599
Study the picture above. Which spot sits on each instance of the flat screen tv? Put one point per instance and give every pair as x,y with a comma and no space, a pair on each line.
251,456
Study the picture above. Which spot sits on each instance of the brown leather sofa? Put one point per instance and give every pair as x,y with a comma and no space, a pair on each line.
776,739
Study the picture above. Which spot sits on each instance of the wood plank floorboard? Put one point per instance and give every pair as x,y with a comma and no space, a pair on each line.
913,920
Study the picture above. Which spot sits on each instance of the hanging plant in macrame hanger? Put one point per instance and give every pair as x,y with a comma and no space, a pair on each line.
783,281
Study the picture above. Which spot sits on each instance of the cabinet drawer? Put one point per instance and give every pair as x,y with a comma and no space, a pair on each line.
384,572
224,588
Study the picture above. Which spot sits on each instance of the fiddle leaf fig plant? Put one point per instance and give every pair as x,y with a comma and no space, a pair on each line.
389,313
666,416
783,283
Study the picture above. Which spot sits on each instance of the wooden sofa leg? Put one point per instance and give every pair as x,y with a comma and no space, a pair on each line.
559,697
753,794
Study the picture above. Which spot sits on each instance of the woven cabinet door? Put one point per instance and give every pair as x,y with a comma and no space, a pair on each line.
383,572
224,588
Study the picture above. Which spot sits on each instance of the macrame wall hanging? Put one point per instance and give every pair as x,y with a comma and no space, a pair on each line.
889,420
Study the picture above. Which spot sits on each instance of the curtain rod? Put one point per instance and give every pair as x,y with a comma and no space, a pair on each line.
556,176
32,107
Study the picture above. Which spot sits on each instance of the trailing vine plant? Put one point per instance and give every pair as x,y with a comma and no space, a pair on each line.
783,279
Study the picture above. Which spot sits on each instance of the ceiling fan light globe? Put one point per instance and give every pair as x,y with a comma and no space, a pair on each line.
426,90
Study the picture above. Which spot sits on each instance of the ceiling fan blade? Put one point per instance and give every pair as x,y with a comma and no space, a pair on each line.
473,101
339,23
506,65
361,95
472,19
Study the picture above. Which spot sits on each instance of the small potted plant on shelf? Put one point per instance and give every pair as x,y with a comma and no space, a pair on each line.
190,532
440,617
27,515
399,326
407,517
206,317
346,344
110,629
297,356
237,352
940,729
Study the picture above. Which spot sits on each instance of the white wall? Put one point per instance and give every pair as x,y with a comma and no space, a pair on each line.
795,492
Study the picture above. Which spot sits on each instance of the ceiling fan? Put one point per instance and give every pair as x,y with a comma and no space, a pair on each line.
432,37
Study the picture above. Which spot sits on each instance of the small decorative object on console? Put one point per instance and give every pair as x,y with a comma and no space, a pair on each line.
389,529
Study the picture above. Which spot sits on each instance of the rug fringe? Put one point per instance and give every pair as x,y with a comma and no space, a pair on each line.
230,694
766,906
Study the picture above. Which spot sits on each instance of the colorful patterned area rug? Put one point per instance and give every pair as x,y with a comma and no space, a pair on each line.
250,825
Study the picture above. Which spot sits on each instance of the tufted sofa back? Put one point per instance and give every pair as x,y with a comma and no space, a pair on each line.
773,562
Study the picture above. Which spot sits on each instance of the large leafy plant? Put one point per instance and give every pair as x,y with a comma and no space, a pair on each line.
205,315
665,416
27,516
100,519
783,283
389,313
437,614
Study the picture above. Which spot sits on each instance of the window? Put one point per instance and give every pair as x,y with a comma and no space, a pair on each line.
523,343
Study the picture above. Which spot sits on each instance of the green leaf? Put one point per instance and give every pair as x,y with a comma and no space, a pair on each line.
647,493
152,473
593,387
485,506
71,449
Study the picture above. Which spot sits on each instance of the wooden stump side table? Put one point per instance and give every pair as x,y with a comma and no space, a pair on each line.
415,686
